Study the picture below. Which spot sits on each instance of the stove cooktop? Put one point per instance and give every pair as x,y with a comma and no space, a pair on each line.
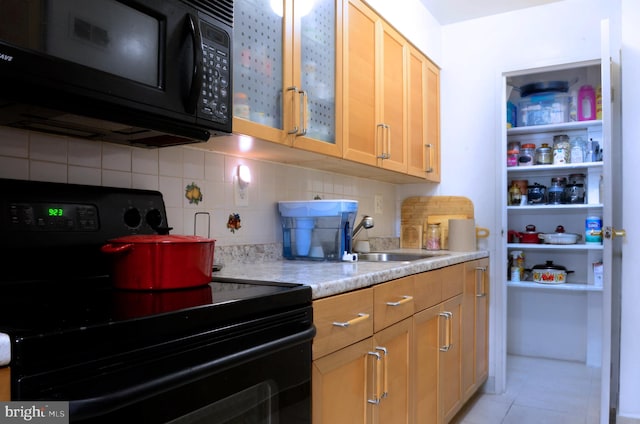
78,321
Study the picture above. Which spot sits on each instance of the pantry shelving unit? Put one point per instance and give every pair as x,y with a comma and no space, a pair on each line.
559,321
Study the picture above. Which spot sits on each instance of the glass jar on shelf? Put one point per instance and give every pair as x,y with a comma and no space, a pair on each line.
561,149
544,155
556,193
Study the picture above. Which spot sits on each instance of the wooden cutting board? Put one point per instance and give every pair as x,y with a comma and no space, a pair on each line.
411,236
443,220
417,211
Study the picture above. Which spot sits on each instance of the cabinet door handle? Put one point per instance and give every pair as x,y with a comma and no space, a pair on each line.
361,317
385,139
427,147
481,290
405,299
304,112
385,372
375,400
447,334
295,91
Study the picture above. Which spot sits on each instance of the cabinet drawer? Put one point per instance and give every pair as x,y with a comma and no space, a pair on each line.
342,320
433,287
452,281
393,302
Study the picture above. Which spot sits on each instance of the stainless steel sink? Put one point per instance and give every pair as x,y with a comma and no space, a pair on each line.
395,256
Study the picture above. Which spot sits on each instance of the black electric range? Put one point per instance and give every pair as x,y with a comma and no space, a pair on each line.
72,331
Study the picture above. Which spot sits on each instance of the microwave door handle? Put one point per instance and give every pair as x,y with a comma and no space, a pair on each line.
198,73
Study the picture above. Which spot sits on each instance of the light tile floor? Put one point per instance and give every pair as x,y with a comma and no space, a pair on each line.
539,391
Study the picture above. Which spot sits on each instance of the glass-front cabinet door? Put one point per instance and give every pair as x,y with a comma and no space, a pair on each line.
285,84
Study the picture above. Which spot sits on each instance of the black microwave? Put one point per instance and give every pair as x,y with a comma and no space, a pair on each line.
149,73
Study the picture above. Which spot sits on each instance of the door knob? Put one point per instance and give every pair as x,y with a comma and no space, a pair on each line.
610,233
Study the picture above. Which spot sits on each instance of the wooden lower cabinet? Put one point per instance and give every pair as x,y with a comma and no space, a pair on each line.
438,394
367,382
475,326
394,406
411,350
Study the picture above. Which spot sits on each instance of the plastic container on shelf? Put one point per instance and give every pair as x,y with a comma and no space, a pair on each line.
593,230
586,103
544,109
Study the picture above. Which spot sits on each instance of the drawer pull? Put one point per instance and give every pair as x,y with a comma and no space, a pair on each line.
360,318
404,300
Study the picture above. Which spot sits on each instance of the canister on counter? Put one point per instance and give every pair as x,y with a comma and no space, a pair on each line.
593,230
433,237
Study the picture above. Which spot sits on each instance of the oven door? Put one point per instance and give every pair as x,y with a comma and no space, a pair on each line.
248,377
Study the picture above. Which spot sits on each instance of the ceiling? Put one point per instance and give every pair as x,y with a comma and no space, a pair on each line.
451,11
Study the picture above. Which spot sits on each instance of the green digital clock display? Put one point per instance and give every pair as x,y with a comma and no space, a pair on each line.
55,212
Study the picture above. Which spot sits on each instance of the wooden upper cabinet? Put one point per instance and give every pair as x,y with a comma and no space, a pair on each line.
392,98
287,88
361,25
432,103
392,137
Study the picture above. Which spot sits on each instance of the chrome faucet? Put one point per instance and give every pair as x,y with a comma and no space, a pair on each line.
367,222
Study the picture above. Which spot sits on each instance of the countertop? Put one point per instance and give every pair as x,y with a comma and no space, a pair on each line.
331,278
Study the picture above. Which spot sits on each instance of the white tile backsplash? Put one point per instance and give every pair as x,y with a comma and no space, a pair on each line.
145,161
48,171
30,155
14,142
116,157
170,162
85,153
84,175
16,168
193,164
48,148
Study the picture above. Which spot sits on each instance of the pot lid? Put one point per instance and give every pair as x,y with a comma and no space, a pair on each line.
160,238
550,265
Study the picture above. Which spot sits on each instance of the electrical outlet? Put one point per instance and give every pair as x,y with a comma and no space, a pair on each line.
377,201
241,195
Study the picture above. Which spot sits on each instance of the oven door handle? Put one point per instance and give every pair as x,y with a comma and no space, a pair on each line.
80,409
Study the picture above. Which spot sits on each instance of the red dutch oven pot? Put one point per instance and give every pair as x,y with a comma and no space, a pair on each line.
160,262
528,236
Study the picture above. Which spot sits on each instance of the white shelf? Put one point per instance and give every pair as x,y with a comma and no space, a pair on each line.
534,246
559,287
567,166
534,129
554,208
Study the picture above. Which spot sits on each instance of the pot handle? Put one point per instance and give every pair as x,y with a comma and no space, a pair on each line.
110,249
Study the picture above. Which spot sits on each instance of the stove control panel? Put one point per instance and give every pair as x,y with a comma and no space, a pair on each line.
52,217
